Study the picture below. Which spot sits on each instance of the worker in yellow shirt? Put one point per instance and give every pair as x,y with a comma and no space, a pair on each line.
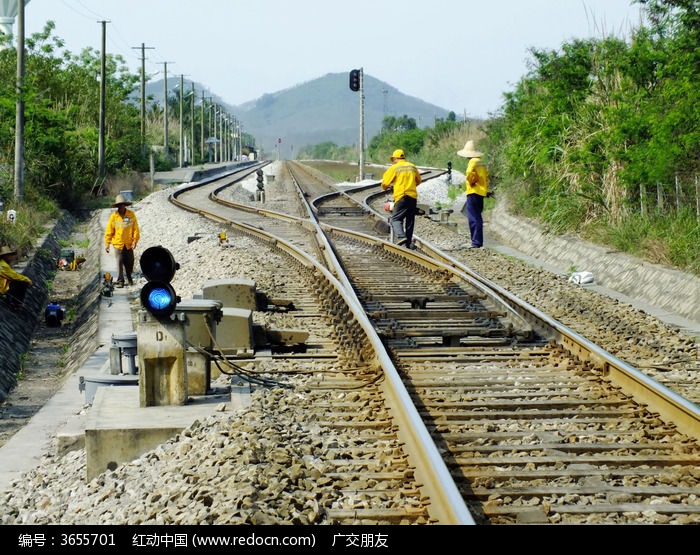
13,285
123,233
476,189
404,177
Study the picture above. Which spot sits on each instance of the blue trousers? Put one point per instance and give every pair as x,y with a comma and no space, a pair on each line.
472,210
403,218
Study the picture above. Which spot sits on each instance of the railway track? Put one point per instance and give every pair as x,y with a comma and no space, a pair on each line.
532,423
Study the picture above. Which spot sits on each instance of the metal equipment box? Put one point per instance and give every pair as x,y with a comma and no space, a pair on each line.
232,292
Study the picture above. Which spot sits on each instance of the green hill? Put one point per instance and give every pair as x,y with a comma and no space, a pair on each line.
320,110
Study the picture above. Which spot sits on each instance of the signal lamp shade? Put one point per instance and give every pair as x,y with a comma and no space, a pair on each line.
159,298
158,264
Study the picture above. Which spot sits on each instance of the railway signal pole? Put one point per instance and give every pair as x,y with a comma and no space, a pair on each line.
357,85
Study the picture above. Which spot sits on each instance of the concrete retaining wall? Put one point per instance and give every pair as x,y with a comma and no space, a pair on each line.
16,330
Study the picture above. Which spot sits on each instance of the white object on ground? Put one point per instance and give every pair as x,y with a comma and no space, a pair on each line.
581,277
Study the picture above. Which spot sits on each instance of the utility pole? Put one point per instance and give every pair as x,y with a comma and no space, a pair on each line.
215,145
222,138
19,115
227,128
240,140
236,151
201,138
193,97
165,109
103,89
210,130
181,153
143,96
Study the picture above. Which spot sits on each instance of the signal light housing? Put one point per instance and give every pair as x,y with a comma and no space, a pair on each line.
158,297
355,80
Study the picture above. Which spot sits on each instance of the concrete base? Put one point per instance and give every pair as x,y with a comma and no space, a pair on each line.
198,372
119,430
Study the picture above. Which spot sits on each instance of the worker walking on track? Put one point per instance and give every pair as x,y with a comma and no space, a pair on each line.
405,178
123,233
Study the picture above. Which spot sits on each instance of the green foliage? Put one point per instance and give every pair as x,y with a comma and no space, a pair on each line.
599,138
454,191
397,133
61,101
43,253
601,133
391,124
29,223
327,151
61,96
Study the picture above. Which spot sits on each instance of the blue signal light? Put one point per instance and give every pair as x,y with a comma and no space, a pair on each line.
159,298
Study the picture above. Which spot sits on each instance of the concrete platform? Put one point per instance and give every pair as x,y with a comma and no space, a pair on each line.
61,425
118,429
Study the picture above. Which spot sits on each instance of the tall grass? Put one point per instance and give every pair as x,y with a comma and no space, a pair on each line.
30,222
660,240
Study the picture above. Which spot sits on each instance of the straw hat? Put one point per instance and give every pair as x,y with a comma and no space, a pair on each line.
6,250
121,199
469,151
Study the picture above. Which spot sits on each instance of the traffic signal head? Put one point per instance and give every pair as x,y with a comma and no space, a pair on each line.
355,80
158,297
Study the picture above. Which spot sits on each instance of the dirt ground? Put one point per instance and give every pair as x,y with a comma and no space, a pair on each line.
56,352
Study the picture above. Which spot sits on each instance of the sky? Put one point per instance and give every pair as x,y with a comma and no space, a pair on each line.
460,55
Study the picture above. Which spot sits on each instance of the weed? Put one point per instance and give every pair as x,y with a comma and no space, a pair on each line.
43,253
22,363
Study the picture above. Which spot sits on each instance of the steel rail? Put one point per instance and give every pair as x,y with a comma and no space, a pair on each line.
644,389
448,505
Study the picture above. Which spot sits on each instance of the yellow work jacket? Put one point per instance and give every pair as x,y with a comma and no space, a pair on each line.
405,177
477,177
122,231
7,274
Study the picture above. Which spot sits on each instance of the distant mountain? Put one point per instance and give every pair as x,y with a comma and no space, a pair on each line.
321,110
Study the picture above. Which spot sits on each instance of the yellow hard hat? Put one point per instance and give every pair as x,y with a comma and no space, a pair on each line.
398,154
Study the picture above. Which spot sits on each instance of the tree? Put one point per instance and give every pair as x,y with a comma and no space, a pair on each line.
62,117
